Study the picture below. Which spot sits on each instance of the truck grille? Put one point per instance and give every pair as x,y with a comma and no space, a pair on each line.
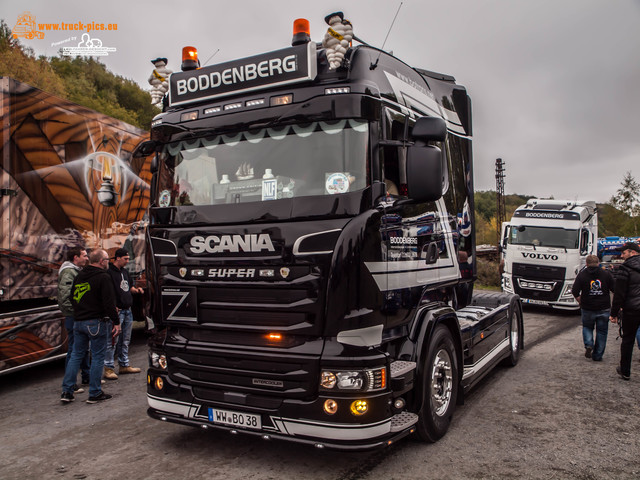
227,355
538,282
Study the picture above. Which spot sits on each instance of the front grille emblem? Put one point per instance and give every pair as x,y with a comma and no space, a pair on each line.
182,271
284,271
267,383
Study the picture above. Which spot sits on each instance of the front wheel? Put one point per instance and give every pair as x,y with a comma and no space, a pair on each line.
515,337
439,386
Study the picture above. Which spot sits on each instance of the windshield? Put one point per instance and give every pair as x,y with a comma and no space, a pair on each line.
543,236
319,158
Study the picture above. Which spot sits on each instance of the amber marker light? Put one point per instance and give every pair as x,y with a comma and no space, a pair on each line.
281,100
274,337
301,32
190,58
330,406
359,407
148,379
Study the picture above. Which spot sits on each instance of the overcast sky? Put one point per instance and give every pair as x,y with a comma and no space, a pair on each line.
555,84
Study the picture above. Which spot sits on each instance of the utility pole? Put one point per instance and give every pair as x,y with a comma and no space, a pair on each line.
500,207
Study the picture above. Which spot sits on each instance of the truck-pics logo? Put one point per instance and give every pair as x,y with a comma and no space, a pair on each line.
26,27
539,256
232,243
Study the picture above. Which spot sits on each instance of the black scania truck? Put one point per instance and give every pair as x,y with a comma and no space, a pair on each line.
311,251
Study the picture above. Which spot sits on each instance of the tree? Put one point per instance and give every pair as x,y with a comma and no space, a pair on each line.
626,198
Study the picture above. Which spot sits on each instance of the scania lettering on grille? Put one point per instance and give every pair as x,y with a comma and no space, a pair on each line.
231,243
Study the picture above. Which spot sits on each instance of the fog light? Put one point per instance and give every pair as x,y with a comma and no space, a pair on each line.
359,407
399,403
159,383
330,406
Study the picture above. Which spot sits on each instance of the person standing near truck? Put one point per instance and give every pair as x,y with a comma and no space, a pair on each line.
627,300
93,299
592,290
124,300
76,259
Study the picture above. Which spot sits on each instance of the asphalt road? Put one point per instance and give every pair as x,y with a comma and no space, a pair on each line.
522,422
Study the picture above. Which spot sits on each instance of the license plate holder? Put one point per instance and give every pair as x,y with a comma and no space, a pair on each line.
535,302
235,419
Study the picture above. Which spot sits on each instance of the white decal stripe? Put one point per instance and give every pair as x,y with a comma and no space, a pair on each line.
412,97
170,406
471,370
335,431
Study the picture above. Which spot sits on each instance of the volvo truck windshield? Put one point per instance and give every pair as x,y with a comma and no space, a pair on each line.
543,236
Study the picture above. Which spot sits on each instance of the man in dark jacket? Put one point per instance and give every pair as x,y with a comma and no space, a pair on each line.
627,299
76,259
592,289
93,299
124,300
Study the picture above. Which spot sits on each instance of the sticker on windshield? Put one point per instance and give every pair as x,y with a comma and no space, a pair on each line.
337,183
269,189
165,198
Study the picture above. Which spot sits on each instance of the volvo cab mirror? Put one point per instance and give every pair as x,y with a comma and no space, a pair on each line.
584,242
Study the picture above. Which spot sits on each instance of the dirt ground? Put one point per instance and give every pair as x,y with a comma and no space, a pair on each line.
555,415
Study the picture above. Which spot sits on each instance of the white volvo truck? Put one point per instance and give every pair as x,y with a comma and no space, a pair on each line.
544,246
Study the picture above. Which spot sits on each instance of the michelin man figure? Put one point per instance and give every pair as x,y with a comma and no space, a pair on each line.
159,80
337,39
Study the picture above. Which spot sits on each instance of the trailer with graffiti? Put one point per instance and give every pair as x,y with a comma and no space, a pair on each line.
67,178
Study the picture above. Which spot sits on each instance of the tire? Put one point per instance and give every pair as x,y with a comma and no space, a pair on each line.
439,386
515,336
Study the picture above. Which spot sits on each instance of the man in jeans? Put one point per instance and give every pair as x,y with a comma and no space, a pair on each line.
592,289
93,299
76,259
124,300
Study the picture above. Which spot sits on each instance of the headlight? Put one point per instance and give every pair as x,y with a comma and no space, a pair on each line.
354,380
157,360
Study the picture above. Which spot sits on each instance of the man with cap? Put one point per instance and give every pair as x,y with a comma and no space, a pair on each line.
627,299
120,346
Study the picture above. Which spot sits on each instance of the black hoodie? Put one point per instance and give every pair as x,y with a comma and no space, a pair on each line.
593,285
93,295
122,285
627,294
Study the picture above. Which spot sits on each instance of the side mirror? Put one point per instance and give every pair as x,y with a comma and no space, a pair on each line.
424,173
429,128
145,149
424,162
584,241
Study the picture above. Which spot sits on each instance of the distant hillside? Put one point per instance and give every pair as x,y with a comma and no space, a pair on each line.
611,221
82,80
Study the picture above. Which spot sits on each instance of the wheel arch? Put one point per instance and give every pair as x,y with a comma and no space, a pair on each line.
427,319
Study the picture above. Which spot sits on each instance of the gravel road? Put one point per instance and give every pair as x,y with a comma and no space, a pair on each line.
555,415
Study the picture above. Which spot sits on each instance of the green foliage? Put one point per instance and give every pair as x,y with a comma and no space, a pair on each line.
488,272
612,221
485,209
19,62
82,80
